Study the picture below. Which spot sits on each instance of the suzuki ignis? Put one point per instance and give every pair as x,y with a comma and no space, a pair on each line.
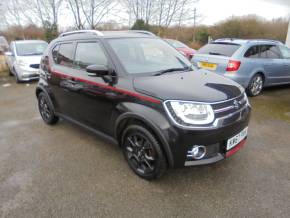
134,89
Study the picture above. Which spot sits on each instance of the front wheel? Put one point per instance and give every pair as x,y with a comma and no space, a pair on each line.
46,110
143,152
256,85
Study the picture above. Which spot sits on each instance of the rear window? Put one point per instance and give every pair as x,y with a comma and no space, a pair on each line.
224,49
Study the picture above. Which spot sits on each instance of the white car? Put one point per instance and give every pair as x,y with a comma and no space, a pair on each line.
23,59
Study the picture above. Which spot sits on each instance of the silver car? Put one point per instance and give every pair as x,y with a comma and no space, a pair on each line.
252,63
23,59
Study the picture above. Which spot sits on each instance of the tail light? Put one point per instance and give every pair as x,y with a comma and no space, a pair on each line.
233,65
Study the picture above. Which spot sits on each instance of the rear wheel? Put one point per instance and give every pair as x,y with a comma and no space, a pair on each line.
143,152
256,85
46,110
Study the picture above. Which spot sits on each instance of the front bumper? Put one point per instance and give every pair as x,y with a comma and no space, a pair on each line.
29,74
181,140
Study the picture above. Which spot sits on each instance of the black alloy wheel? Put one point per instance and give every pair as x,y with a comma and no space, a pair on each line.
143,152
46,110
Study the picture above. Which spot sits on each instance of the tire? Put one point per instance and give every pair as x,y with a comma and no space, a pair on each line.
16,76
46,110
256,85
143,152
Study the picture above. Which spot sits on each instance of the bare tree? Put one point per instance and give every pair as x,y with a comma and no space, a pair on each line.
162,13
94,11
75,7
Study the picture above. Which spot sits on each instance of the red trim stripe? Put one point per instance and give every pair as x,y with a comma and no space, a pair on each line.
134,94
236,148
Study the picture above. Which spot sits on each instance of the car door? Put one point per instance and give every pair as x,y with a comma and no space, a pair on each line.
93,99
286,57
61,78
273,64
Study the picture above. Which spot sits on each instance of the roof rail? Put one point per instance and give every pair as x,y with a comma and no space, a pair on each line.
96,32
267,40
223,39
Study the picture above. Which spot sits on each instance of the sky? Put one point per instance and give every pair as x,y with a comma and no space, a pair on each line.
213,11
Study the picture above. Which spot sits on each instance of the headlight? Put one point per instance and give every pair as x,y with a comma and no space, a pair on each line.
190,112
21,63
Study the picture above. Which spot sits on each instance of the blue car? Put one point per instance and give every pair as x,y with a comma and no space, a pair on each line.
252,63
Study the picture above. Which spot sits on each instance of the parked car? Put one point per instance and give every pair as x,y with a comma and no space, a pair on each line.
23,59
182,48
3,44
252,63
139,92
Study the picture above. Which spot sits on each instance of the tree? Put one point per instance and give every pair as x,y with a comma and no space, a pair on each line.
140,25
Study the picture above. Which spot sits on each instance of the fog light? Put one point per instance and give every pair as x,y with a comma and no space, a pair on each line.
197,152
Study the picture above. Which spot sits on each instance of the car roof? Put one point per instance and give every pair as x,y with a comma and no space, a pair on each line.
247,41
28,41
92,34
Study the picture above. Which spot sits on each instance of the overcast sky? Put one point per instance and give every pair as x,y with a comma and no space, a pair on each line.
216,10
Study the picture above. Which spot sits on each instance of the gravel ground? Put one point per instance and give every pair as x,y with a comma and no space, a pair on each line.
65,171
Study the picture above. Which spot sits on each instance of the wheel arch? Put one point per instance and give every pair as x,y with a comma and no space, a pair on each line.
129,118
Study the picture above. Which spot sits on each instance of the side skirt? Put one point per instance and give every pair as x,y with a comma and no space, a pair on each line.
100,134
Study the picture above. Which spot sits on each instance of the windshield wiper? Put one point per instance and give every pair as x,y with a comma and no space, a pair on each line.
171,70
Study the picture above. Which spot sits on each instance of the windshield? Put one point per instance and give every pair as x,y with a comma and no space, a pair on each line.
30,48
224,49
147,55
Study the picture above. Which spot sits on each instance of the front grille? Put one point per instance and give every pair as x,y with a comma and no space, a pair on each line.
35,66
228,107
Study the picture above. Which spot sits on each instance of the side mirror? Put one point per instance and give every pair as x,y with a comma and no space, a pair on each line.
97,70
8,53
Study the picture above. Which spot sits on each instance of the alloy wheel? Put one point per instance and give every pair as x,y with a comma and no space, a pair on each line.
256,85
140,153
44,109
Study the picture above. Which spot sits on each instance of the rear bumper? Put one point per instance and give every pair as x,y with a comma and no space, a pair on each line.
242,80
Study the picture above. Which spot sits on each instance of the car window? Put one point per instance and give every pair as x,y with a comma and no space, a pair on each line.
285,52
224,49
54,53
65,54
28,48
252,52
147,55
89,53
270,51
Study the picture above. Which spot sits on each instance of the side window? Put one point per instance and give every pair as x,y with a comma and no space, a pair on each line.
252,52
285,52
54,53
270,51
89,53
65,54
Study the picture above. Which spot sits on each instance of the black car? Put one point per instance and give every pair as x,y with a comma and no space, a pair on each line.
137,91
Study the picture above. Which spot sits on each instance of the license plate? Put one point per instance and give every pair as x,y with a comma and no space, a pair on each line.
232,142
207,65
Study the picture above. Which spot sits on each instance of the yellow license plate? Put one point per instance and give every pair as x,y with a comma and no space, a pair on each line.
208,66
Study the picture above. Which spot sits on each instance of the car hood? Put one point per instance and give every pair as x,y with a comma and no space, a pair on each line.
199,85
35,59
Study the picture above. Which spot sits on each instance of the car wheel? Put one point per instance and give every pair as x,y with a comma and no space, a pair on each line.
256,85
143,152
46,110
16,76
